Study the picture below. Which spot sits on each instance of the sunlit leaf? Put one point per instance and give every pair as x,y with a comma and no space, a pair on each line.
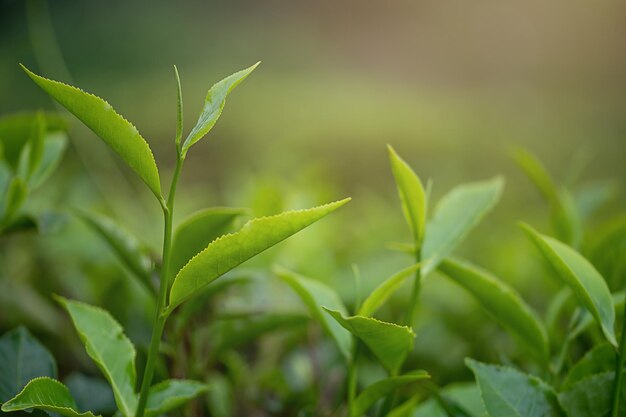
229,251
381,294
368,397
113,129
45,394
179,110
171,394
576,272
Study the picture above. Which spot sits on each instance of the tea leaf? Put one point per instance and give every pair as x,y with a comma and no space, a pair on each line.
459,211
32,152
213,106
113,129
316,294
14,198
464,395
53,150
109,348
368,397
501,302
179,109
411,194
599,359
45,394
171,394
590,396
22,358
578,273
381,294
507,392
406,409
389,342
197,231
126,247
229,251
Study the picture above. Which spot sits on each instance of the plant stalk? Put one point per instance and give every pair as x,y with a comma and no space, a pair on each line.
619,370
160,314
352,377
415,292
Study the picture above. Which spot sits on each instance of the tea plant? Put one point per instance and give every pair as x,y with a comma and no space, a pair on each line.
189,263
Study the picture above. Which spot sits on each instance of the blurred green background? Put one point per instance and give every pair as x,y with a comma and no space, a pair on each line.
453,86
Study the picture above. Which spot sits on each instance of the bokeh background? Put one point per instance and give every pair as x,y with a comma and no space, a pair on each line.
452,85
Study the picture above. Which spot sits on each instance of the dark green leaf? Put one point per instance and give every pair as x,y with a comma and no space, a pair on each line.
171,394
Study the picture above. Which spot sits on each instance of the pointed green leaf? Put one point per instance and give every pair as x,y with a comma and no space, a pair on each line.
197,231
112,128
53,150
14,198
507,392
171,394
591,396
389,342
214,104
316,294
368,397
411,194
465,395
179,109
109,348
229,251
381,294
597,360
578,273
459,211
502,303
22,358
45,394
133,254
32,152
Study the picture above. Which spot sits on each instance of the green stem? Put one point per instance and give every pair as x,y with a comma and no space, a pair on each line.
619,370
161,313
415,292
352,377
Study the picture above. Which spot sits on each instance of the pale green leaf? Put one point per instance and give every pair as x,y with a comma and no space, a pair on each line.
22,358
368,397
53,150
502,303
578,273
316,294
381,294
459,211
47,394
109,348
507,392
113,129
197,231
389,342
406,409
411,194
171,394
14,198
464,394
231,250
179,109
214,104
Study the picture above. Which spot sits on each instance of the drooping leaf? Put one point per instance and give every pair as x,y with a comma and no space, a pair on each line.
591,396
112,128
133,254
389,342
578,273
381,294
507,392
22,358
171,394
459,211
197,231
411,194
109,348
91,393
599,359
229,251
368,397
316,294
213,106
502,303
45,394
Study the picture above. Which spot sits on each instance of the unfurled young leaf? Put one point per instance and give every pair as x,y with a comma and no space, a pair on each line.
411,194
171,394
113,129
229,251
197,231
133,254
22,358
381,294
316,294
578,273
368,397
507,392
109,348
179,109
47,394
389,342
459,211
13,200
32,152
213,106
502,303
53,149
